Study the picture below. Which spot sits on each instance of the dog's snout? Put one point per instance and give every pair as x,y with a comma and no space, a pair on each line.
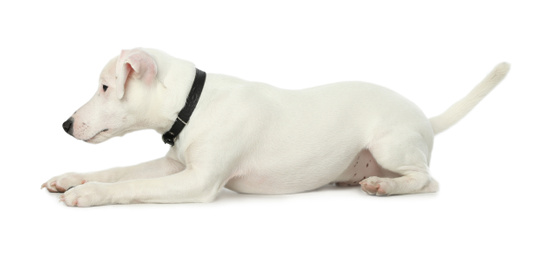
69,126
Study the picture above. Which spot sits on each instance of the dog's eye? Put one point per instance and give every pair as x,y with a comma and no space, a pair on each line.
105,87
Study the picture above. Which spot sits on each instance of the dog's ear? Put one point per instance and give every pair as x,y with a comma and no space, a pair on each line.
137,63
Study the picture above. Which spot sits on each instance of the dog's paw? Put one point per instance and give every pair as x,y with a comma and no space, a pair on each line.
89,194
377,186
63,182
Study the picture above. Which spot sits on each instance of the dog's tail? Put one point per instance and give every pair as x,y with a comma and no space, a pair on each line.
459,109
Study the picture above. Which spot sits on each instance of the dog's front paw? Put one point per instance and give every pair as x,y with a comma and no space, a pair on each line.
377,186
89,194
63,182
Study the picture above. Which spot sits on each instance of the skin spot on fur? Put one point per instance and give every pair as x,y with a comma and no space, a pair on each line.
356,163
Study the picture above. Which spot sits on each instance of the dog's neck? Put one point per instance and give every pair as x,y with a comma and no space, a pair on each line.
184,115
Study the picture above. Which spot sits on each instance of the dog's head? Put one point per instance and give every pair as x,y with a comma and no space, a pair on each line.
125,96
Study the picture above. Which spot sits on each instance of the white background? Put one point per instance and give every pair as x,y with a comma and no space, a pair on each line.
489,165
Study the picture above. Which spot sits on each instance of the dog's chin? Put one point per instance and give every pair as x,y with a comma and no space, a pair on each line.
96,140
99,137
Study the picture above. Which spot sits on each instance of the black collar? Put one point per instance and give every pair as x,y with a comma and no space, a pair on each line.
184,115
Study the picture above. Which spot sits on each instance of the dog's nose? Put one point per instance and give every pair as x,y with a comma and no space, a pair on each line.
68,126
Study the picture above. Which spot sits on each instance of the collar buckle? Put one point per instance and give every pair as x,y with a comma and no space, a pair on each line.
168,138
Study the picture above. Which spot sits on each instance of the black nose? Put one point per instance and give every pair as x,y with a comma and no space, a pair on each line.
68,126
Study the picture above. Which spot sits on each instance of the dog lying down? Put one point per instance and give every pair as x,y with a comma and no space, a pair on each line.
251,137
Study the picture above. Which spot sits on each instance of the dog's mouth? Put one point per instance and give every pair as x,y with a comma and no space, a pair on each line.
90,140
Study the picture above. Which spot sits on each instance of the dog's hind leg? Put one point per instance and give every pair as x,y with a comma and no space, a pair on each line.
404,153
412,182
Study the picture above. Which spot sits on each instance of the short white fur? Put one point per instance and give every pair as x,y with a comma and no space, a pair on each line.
254,138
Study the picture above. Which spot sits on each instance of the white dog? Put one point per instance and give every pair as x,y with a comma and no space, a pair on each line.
251,137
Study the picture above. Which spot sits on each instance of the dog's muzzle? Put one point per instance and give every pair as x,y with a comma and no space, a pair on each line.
69,126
